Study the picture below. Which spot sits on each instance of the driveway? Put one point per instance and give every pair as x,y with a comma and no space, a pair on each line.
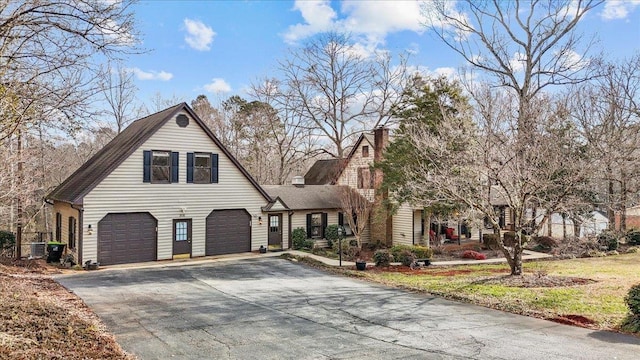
274,309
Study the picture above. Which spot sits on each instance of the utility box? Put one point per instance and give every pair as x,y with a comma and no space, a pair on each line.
37,249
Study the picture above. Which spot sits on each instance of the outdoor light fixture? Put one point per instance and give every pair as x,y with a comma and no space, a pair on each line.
260,220
89,229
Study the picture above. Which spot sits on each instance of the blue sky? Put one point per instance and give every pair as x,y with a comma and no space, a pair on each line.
218,48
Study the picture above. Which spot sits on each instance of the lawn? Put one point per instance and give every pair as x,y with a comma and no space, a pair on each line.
585,292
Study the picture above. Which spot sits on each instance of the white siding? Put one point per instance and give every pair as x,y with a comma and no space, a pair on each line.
402,222
124,191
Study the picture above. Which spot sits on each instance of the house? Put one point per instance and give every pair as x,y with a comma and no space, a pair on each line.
405,226
164,188
632,218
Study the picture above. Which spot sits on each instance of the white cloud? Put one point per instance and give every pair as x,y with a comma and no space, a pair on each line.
199,36
618,9
151,75
517,62
217,85
370,21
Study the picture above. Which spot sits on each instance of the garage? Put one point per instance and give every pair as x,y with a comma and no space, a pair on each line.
127,238
228,232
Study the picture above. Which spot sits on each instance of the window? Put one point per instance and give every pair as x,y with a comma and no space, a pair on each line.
160,166
365,151
364,178
274,225
58,227
181,231
316,223
202,168
72,233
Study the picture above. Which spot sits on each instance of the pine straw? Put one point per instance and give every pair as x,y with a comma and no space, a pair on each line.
40,319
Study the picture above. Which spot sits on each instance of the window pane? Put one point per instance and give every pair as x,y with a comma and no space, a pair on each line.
202,175
316,220
160,158
160,173
202,160
181,231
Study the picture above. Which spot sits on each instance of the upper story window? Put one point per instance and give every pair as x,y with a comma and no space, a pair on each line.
365,151
160,166
202,168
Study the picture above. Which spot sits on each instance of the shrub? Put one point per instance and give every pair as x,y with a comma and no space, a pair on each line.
546,241
470,254
382,257
405,257
7,239
633,299
331,234
509,238
299,238
422,252
633,237
350,248
608,240
419,252
490,241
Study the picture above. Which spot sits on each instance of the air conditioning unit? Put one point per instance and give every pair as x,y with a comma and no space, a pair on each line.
37,249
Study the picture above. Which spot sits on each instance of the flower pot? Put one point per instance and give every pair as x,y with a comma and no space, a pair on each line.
361,265
263,250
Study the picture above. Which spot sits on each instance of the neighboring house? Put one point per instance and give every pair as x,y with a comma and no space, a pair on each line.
632,218
405,226
164,188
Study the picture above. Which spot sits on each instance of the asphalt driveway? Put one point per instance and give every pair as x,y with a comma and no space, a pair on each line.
273,309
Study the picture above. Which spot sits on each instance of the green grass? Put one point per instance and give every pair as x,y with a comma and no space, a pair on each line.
601,301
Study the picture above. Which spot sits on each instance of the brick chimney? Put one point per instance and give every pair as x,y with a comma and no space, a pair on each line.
381,221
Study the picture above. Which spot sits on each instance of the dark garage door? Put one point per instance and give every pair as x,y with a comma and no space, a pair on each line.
127,238
228,232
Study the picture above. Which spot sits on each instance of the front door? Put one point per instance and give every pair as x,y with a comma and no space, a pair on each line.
181,238
275,231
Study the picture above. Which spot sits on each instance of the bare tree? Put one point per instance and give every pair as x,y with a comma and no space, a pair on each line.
357,210
524,47
119,92
608,114
337,91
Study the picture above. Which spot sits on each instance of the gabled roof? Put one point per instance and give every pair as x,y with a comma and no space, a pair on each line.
107,159
368,137
307,197
324,172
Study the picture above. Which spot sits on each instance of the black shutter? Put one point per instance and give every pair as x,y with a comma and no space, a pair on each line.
146,173
308,226
214,168
324,224
174,167
189,167
341,219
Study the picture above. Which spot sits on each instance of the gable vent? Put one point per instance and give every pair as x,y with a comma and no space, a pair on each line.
182,120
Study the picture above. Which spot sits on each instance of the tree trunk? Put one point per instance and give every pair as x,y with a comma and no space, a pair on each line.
610,213
623,201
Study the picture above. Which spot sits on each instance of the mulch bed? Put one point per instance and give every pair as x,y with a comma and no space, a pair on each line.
535,281
40,319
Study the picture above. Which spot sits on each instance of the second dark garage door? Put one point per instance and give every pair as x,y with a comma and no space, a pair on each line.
127,238
228,232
